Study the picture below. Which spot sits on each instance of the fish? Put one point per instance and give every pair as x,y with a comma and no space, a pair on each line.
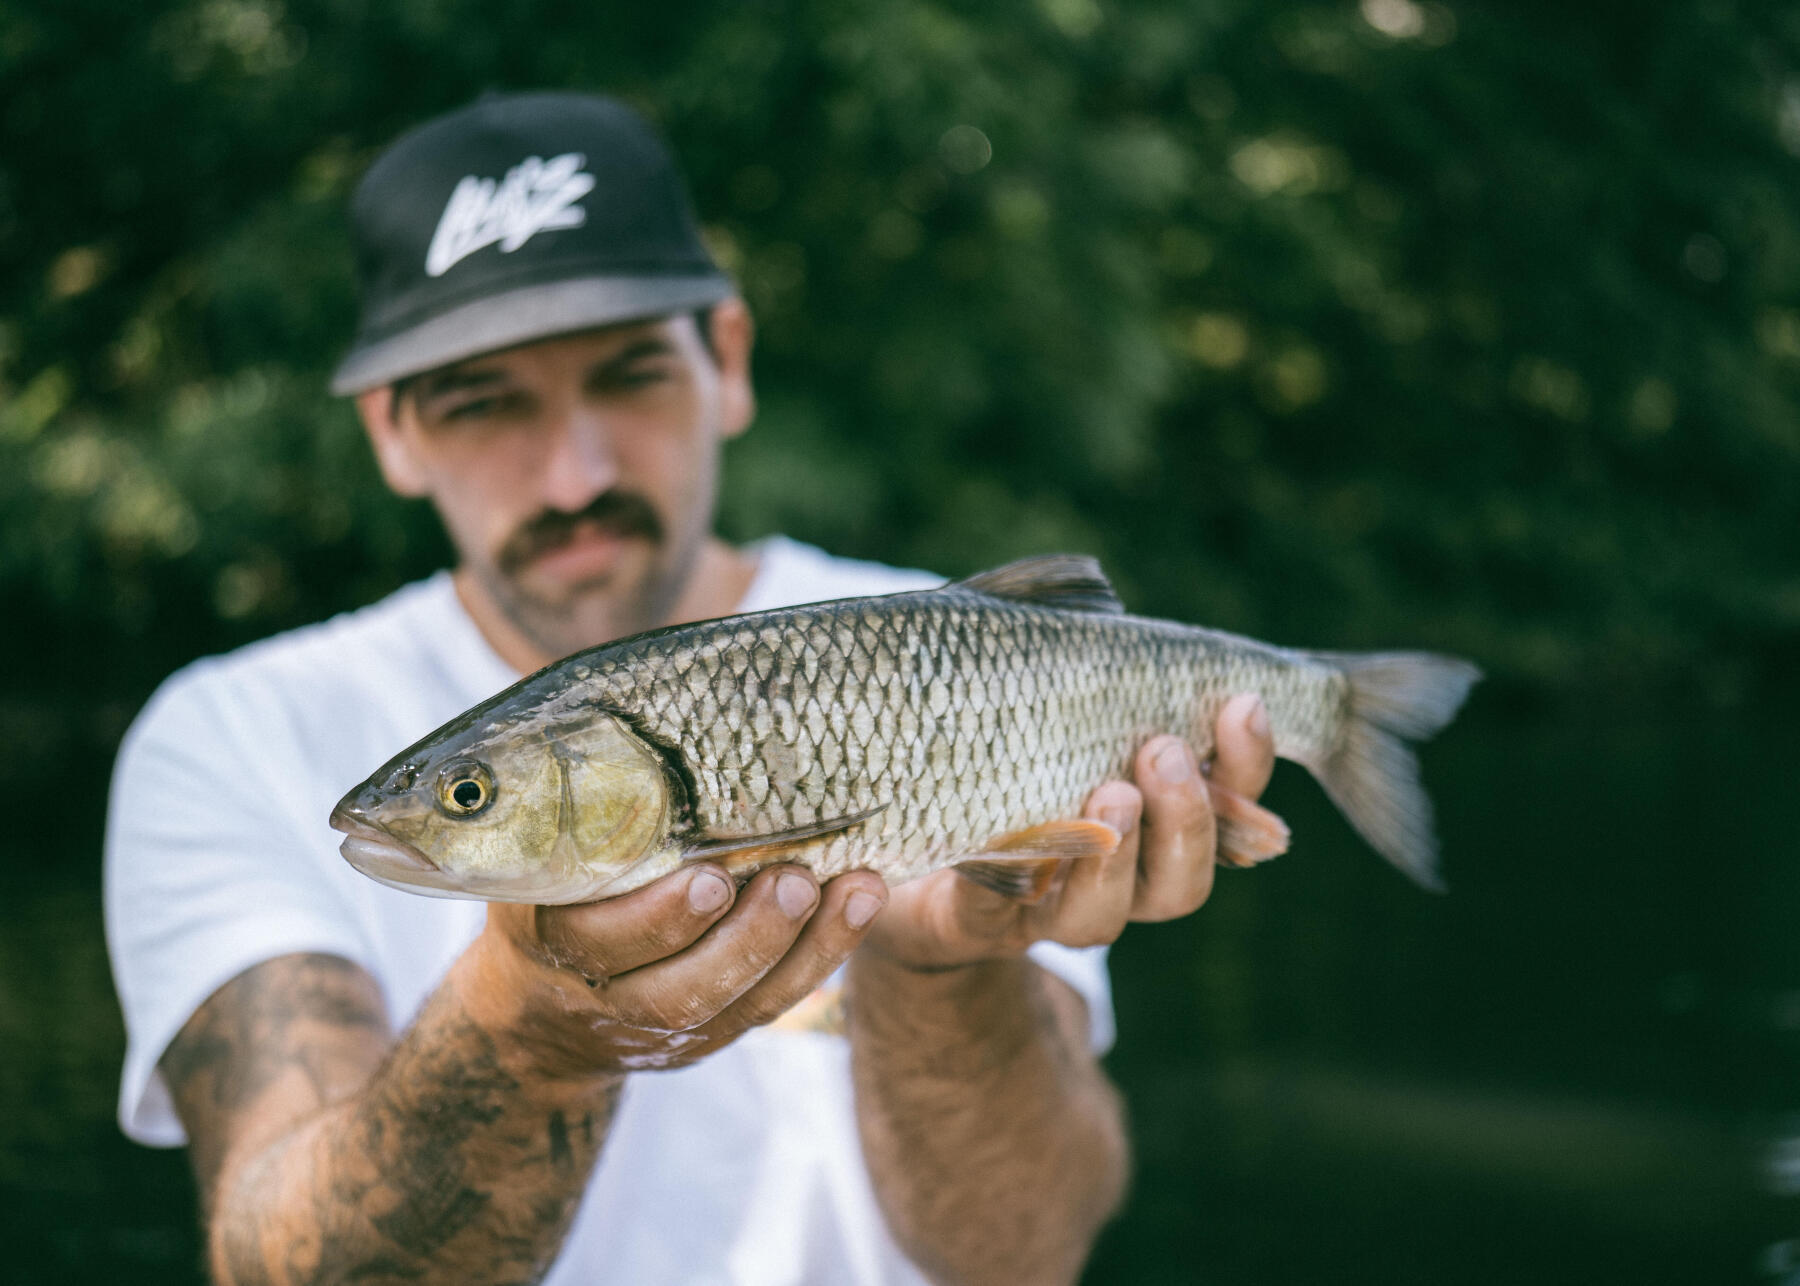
962,726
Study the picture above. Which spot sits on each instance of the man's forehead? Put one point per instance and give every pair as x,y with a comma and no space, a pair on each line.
586,346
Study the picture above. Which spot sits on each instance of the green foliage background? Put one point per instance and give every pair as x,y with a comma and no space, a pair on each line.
1476,327
1361,323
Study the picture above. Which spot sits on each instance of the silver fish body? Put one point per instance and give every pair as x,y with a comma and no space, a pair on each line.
908,732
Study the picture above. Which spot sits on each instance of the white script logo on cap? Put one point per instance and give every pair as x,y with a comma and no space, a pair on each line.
535,195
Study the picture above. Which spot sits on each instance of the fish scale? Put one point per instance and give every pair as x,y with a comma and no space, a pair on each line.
905,732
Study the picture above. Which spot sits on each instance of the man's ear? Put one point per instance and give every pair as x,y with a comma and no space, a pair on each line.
399,468
733,333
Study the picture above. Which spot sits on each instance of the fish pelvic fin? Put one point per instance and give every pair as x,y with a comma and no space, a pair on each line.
1373,775
1023,864
1249,834
1022,881
1073,582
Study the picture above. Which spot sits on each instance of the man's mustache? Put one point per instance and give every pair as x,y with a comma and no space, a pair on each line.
620,513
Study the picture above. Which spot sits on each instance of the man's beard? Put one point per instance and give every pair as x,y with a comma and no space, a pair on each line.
589,612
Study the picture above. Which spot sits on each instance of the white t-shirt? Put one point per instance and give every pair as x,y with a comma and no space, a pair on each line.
744,1168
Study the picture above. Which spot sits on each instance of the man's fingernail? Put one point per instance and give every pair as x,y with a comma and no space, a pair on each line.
1174,764
795,894
1118,816
1258,719
707,892
861,908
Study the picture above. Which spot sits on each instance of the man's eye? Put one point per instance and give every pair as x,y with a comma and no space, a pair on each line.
472,410
635,377
480,408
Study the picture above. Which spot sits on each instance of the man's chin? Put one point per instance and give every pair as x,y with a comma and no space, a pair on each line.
561,617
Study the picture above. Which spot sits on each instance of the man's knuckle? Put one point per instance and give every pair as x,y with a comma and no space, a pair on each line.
687,1009
559,944
1186,804
669,1011
579,957
657,940
758,1010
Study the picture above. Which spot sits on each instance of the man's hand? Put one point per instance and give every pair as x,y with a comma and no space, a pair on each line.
667,974
1162,868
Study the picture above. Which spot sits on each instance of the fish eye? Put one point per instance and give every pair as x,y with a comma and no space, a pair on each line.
465,788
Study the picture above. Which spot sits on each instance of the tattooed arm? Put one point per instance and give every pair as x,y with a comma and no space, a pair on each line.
325,1151
314,1158
994,1140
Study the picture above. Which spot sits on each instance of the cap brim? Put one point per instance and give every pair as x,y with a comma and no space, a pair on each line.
519,317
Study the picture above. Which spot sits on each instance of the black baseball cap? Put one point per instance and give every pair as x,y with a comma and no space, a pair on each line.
519,217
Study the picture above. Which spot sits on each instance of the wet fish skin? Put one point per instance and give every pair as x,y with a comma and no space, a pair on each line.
936,722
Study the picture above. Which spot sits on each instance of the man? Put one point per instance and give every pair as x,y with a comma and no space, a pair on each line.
548,354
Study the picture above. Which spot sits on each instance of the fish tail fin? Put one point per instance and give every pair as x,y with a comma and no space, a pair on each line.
1372,775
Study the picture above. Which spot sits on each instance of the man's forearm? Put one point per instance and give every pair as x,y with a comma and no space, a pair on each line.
995,1143
456,1162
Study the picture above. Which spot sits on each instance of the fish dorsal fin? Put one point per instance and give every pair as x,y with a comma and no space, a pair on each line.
1073,582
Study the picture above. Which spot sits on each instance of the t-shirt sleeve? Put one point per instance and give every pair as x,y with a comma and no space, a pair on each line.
209,870
1084,968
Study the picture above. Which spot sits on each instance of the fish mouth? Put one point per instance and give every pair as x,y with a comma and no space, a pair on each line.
382,857
400,865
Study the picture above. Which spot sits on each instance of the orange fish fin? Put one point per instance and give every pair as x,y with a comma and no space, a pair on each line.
1022,864
1022,880
1248,832
728,850
741,864
1076,838
1073,582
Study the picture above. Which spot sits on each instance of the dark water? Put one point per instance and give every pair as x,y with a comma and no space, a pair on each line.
1578,1067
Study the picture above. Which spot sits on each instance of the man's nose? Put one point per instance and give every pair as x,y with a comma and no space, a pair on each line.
582,462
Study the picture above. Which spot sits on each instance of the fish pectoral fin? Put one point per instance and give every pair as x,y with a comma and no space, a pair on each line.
1073,582
1023,864
707,848
1248,832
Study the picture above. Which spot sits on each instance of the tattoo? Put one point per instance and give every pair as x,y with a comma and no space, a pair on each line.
560,1156
437,1165
243,1035
422,1121
319,1015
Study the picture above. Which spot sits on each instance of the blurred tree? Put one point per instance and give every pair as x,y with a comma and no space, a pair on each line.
1470,326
